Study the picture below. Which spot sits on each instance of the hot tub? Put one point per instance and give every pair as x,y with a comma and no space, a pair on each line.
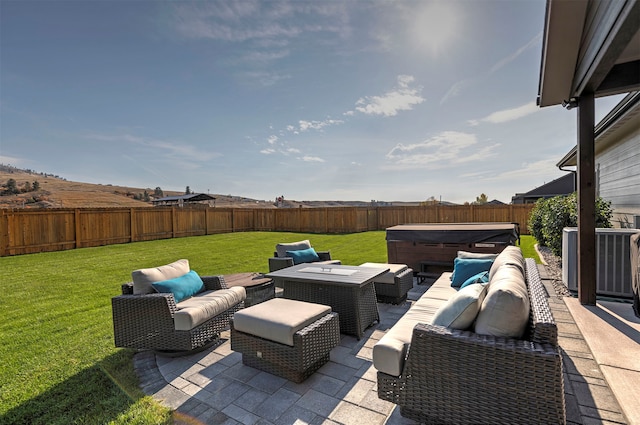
417,245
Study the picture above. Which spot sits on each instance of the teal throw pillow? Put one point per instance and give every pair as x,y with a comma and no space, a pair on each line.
181,287
464,268
482,277
300,256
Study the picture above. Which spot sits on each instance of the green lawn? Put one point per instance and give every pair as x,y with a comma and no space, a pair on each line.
59,365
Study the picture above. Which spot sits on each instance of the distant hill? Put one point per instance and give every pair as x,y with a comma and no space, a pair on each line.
57,192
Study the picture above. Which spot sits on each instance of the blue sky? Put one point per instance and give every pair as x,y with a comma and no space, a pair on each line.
356,100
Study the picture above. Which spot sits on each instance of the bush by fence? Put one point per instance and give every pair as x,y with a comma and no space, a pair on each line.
24,231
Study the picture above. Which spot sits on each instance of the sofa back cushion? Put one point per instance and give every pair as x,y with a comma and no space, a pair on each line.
282,248
143,278
482,255
510,255
462,308
505,309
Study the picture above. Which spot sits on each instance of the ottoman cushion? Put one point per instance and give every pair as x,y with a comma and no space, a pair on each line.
278,319
389,276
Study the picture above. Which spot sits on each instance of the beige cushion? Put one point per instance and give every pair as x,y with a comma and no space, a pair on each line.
505,309
478,255
143,278
206,305
278,319
390,276
389,353
282,248
462,308
510,255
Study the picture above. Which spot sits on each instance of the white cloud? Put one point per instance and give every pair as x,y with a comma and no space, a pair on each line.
272,139
442,150
542,170
308,158
172,150
401,98
268,151
507,115
316,125
457,88
505,61
12,160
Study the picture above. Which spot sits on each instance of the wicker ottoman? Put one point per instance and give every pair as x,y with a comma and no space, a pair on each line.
288,338
393,286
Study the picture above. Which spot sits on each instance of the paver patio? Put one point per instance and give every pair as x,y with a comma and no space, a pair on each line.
214,387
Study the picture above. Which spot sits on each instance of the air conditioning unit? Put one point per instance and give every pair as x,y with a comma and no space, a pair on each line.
613,261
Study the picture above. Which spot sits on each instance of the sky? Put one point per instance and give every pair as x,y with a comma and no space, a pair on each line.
310,100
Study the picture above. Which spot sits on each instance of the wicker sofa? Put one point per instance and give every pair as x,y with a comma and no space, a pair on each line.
146,319
282,256
454,376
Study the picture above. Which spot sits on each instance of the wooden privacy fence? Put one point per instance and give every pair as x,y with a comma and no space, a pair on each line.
24,231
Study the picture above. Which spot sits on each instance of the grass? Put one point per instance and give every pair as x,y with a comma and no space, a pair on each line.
59,365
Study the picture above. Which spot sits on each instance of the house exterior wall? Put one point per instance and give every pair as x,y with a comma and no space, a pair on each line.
618,172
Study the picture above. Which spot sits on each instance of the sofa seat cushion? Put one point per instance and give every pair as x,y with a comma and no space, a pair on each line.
205,305
282,248
390,276
278,319
505,309
143,278
389,353
462,308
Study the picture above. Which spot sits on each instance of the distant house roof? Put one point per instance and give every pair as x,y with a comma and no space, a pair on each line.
191,198
560,186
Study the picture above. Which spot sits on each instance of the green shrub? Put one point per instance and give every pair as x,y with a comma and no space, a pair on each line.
535,220
550,216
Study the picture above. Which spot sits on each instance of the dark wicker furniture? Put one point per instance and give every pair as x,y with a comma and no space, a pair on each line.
395,293
146,321
311,348
277,263
459,377
353,296
259,288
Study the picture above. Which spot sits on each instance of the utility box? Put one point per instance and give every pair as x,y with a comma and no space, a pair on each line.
613,261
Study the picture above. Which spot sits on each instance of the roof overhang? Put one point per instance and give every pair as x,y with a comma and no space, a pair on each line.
589,46
564,22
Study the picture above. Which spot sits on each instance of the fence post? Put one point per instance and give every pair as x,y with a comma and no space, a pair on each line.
132,225
173,222
76,220
4,233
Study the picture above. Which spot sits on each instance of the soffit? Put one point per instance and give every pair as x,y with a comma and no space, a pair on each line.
589,46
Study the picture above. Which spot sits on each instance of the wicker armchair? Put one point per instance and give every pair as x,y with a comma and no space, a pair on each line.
459,377
147,321
280,260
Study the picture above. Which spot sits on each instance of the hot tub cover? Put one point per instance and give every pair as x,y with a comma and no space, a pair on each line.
507,233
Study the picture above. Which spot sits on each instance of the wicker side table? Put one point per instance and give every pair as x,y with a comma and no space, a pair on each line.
258,287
